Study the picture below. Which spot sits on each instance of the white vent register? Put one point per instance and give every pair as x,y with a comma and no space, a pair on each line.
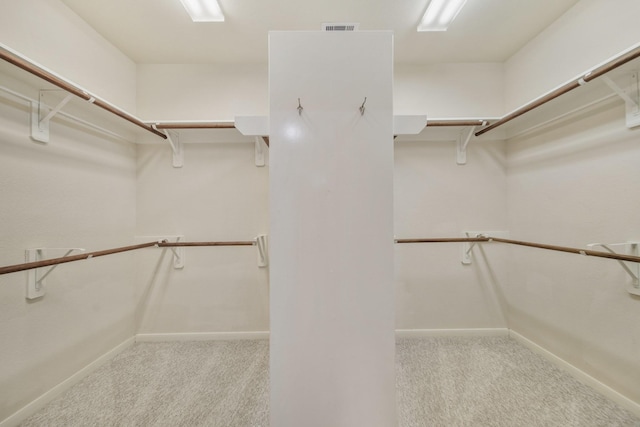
340,26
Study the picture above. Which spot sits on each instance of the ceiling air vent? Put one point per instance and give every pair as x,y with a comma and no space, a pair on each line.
340,26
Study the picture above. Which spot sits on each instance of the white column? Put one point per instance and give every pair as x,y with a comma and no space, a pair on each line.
331,233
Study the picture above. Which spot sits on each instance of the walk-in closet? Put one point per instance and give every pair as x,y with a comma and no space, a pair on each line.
322,214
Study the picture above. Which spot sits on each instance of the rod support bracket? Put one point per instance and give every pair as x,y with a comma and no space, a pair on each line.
41,116
173,138
463,142
629,92
466,249
262,244
36,277
179,256
631,268
259,151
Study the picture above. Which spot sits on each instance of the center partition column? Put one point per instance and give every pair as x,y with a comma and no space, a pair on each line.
331,234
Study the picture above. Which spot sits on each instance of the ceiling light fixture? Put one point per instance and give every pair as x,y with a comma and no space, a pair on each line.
203,10
440,14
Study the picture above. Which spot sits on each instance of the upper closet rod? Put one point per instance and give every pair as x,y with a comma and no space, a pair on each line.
195,125
595,73
231,125
38,71
456,122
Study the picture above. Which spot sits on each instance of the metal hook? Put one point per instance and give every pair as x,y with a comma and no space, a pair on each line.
299,108
362,106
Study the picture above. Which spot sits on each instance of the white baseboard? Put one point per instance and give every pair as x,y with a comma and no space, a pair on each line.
203,336
580,375
37,404
476,332
264,335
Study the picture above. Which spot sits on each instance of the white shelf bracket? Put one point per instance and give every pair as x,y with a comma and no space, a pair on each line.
631,268
259,151
466,249
35,277
173,138
463,142
630,95
40,124
179,255
262,244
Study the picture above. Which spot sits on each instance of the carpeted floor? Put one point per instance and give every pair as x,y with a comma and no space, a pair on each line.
479,381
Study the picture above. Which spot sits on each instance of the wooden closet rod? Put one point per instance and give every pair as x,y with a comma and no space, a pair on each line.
55,261
609,66
445,240
231,125
454,122
26,65
620,257
195,125
62,260
182,244
164,244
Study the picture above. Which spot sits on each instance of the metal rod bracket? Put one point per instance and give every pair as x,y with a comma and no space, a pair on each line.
36,277
179,252
173,138
179,256
263,250
41,116
630,94
466,248
259,151
463,142
631,268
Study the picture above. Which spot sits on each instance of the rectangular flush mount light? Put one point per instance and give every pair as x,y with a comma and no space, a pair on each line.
203,10
439,14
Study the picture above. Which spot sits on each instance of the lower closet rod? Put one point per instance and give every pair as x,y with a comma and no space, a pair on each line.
586,252
177,244
62,260
163,244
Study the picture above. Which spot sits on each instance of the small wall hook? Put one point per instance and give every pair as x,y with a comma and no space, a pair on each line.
362,106
299,108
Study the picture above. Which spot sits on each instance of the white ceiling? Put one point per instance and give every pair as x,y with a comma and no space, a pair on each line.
160,31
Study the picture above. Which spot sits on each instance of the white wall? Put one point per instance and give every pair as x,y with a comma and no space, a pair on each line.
77,191
218,195
449,90
202,92
574,185
586,35
49,33
435,197
221,92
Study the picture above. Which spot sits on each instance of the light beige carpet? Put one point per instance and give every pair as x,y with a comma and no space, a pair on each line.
480,381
